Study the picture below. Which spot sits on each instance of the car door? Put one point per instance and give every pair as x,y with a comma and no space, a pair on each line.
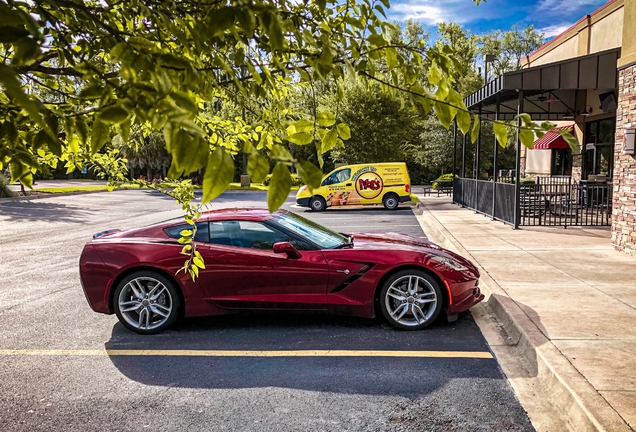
339,187
243,272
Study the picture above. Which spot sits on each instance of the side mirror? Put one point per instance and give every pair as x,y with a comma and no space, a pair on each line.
286,248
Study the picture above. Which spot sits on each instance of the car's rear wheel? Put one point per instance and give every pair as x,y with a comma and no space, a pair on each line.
411,300
317,204
146,302
391,201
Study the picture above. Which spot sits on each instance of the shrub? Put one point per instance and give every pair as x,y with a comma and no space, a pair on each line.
5,192
296,181
522,180
443,177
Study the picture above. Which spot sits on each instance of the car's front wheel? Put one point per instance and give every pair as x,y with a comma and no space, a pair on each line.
146,302
411,300
318,204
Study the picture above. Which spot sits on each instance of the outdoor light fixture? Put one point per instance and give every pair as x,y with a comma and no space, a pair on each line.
628,140
586,112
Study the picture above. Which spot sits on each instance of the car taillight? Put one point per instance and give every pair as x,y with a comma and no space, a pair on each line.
407,188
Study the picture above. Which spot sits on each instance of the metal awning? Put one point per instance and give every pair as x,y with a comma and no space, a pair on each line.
553,139
549,90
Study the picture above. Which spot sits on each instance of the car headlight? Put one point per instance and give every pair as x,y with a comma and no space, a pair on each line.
449,262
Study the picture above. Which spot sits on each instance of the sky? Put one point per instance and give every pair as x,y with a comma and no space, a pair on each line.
548,16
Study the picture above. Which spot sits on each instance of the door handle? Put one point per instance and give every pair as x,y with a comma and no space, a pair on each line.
345,271
348,184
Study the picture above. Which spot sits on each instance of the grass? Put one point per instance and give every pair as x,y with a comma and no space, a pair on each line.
104,188
72,189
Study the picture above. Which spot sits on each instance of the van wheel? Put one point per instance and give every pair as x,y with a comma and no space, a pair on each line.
317,204
390,201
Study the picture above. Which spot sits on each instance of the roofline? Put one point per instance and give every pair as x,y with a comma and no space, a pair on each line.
558,37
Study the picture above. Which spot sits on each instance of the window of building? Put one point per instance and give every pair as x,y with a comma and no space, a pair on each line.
599,148
561,162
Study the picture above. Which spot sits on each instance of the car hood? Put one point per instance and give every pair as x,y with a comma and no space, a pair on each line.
390,240
395,241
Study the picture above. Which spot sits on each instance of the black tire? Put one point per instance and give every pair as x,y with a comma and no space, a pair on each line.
391,201
166,302
317,204
411,319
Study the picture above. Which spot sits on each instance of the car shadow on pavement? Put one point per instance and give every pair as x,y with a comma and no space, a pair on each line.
403,376
352,209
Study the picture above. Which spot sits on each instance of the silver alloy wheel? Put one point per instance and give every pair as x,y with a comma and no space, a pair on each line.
390,202
145,303
411,300
317,204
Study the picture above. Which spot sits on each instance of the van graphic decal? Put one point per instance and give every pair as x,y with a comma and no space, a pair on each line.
362,171
369,184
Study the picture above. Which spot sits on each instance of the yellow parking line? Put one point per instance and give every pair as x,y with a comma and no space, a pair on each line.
248,353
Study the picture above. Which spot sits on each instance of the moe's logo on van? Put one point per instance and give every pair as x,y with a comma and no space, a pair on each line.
368,183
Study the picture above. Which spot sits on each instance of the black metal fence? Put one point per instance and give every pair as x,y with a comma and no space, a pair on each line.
491,199
551,201
558,201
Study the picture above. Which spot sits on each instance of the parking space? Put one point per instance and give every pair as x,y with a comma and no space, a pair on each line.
65,367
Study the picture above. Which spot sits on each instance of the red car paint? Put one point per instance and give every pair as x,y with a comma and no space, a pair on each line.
241,278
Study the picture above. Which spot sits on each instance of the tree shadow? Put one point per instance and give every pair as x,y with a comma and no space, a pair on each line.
409,377
39,210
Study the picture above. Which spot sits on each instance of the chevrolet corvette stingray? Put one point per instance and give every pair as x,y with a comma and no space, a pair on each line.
256,260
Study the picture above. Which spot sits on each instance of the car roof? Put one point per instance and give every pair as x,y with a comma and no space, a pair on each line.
251,213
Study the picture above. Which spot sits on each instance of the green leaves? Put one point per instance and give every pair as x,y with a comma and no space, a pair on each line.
301,132
100,134
257,167
279,187
474,134
526,136
463,121
113,114
219,173
501,132
325,119
329,140
274,30
571,139
310,174
343,131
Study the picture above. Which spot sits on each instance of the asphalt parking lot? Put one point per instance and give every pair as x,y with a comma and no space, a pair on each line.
65,367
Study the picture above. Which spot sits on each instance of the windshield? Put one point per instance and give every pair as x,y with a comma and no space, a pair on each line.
318,234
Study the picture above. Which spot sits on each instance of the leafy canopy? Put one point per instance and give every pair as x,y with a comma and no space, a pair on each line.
76,73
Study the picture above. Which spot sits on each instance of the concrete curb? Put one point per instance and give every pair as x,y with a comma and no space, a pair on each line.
573,398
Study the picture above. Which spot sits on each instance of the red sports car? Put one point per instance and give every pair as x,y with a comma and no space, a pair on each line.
280,261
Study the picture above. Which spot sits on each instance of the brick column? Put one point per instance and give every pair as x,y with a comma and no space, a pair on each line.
624,199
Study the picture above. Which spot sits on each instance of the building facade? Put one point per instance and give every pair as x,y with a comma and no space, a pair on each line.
600,117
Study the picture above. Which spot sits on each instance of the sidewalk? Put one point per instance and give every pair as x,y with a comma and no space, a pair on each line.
565,298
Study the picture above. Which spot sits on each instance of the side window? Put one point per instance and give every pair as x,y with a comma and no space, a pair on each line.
338,177
246,234
202,234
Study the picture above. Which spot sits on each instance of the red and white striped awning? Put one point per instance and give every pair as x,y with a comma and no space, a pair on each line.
553,139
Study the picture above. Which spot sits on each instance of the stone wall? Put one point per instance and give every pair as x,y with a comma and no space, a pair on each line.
624,201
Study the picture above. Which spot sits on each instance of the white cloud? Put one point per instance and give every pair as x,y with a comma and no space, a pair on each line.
561,7
431,12
554,30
